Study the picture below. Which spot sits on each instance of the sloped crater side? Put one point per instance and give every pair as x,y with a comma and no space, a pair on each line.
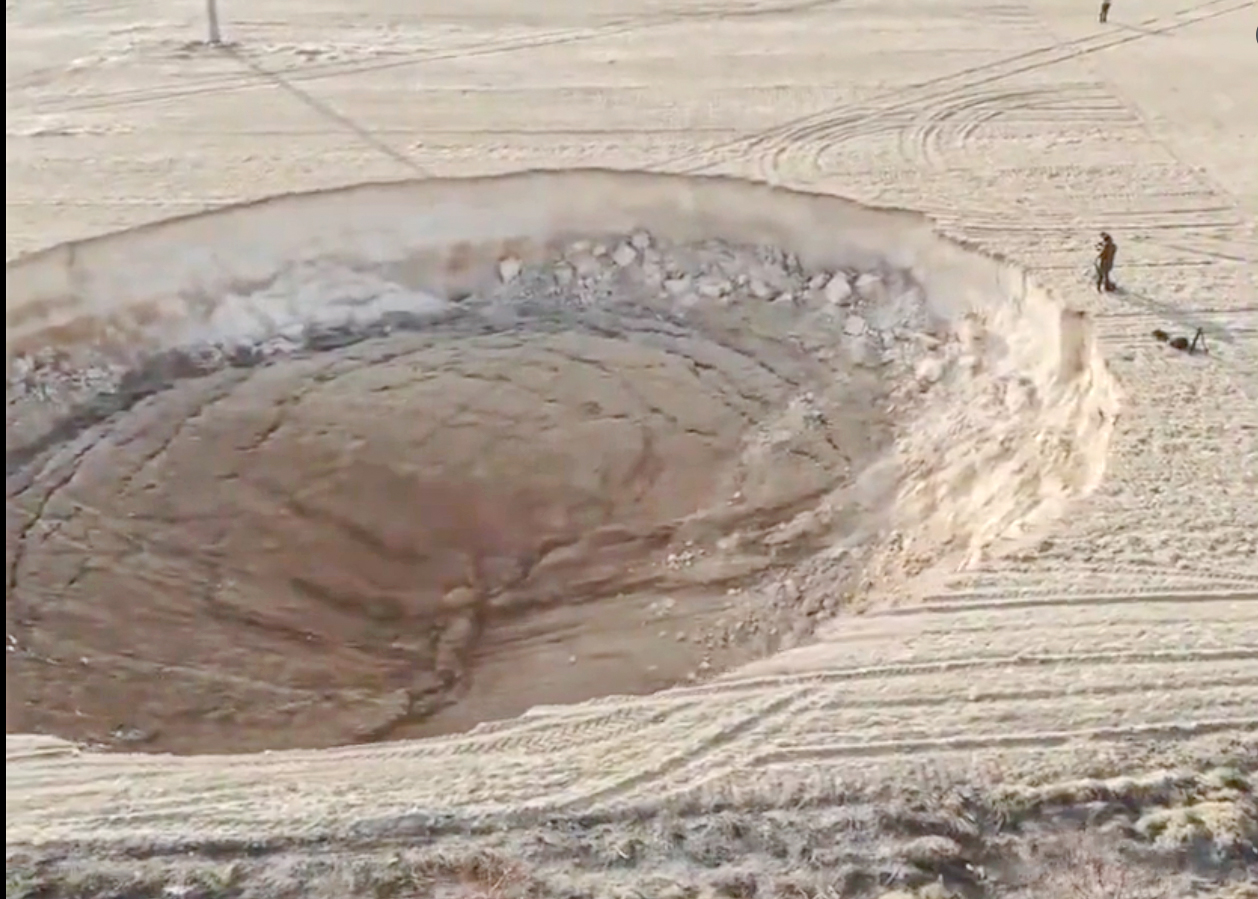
396,459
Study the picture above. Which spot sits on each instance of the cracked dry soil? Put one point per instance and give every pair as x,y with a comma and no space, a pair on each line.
564,487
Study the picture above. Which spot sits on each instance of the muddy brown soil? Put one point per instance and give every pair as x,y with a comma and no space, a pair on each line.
419,530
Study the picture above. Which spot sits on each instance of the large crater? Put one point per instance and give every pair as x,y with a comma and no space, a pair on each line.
395,460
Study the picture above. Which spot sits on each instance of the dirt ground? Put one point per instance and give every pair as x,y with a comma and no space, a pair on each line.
319,545
942,614
368,536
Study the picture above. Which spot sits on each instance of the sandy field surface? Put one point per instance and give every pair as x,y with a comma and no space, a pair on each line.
484,531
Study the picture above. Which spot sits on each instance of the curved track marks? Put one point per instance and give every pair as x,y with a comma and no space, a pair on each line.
948,128
812,136
962,678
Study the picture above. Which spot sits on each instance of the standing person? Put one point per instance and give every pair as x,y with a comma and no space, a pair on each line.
1105,10
1106,250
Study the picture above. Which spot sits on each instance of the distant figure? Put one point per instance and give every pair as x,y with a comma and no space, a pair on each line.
1106,250
1105,10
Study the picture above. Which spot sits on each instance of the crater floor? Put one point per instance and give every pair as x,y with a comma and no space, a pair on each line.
599,474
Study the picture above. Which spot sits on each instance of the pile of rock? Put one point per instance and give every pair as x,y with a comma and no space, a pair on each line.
878,317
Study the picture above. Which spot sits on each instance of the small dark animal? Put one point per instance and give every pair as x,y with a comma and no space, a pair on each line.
1182,343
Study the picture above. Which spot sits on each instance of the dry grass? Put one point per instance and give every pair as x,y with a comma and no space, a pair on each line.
1077,868
932,840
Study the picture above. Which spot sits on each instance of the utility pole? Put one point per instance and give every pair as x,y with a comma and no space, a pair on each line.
211,13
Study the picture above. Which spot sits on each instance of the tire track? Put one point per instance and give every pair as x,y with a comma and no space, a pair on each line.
536,759
701,736
994,662
1187,584
725,740
1165,731
826,135
1216,248
1243,362
844,122
1073,691
1004,581
737,690
220,84
985,221
947,129
1004,13
551,736
952,604
982,725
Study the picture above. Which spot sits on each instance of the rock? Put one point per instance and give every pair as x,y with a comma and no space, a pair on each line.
871,288
459,599
381,712
677,286
509,269
784,299
458,634
132,735
279,346
773,275
1020,394
587,266
854,326
818,281
760,290
712,288
625,255
929,370
641,240
862,353
564,274
838,292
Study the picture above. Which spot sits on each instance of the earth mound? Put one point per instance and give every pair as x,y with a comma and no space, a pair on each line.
419,456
